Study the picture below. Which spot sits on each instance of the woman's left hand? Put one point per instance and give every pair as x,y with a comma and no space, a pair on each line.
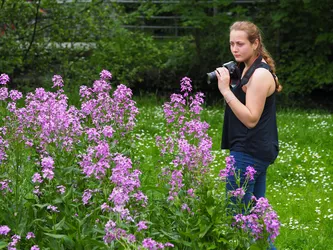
223,78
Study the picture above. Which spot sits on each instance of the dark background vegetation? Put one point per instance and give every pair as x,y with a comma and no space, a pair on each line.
151,45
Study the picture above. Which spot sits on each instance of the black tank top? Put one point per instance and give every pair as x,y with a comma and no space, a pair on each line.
261,141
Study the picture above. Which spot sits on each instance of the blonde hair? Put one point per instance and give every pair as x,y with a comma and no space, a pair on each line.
254,33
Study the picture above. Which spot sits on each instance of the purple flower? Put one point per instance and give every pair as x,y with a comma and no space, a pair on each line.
141,225
61,189
93,134
229,170
47,165
3,94
185,207
34,247
57,81
238,193
85,91
53,208
47,162
131,238
4,185
36,191
185,86
272,224
250,172
108,131
15,95
105,207
139,196
261,219
190,192
30,235
261,205
105,75
37,178
15,239
230,160
197,101
101,86
86,196
110,225
149,243
168,244
11,106
4,230
176,183
4,79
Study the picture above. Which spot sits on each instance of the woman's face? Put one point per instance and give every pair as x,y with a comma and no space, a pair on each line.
241,47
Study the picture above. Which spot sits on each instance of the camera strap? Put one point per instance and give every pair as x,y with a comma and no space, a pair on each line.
256,64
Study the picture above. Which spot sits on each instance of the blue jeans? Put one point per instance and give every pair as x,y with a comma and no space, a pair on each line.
256,187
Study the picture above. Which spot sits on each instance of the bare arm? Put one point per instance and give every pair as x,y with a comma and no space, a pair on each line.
259,87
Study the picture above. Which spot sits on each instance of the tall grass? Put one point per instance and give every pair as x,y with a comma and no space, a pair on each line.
299,183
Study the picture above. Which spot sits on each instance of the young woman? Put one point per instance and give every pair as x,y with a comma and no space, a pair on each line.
249,129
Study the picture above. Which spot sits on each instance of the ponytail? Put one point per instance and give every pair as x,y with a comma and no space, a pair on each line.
268,58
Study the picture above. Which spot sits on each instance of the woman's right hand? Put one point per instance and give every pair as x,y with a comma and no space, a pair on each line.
223,79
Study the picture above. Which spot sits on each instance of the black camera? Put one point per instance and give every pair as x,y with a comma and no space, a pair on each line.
232,68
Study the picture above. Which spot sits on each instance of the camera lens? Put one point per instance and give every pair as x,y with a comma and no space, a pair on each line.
211,77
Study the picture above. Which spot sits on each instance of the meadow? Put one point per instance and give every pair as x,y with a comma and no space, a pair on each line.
123,173
299,183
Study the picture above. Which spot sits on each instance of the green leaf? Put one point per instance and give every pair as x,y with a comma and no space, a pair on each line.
254,247
41,205
57,236
60,224
171,236
210,210
203,233
3,244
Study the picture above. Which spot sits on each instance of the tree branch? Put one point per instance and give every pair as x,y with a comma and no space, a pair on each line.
34,32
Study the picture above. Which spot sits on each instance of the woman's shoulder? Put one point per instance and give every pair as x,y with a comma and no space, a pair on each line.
262,73
262,78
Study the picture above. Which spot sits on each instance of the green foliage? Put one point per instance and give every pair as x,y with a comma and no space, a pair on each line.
128,55
43,38
302,35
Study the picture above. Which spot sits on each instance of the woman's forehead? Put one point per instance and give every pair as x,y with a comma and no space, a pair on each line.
238,35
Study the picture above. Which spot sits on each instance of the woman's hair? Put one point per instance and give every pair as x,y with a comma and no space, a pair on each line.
254,33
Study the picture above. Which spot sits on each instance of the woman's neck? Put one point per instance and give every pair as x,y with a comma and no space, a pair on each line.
249,62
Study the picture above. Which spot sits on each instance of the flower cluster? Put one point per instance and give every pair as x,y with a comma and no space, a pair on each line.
97,160
3,144
4,230
262,220
117,111
126,182
229,169
151,244
4,186
57,81
46,119
176,184
4,79
65,145
187,145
